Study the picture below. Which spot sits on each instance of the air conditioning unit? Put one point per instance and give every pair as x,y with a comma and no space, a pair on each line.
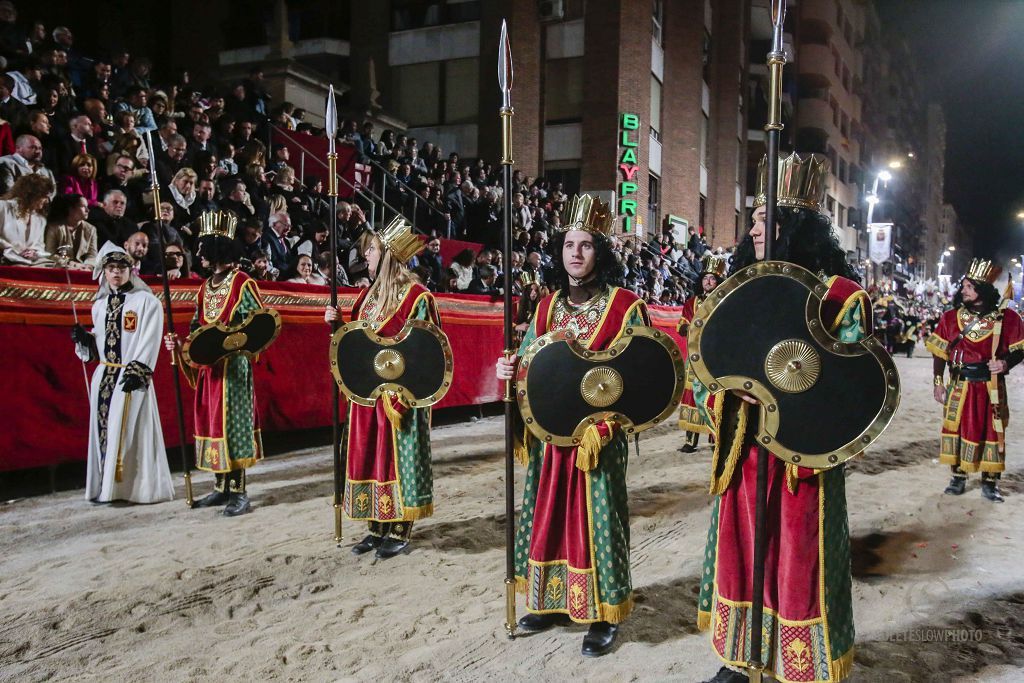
551,10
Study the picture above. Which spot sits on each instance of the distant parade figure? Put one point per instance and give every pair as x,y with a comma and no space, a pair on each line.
713,271
227,426
981,342
389,482
572,540
127,459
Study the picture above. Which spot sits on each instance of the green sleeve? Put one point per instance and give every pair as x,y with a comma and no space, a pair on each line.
247,303
850,328
531,334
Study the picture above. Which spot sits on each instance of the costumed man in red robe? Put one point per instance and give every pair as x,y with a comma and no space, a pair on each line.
227,426
572,540
807,632
389,481
712,273
981,342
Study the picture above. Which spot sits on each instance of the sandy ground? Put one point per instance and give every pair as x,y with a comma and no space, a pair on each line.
166,594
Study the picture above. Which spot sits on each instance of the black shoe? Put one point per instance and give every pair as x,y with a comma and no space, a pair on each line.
211,500
991,491
956,486
727,675
599,639
688,448
238,505
533,623
369,543
391,547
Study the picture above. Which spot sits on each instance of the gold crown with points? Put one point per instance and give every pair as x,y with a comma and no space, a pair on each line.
218,224
527,278
586,212
713,264
983,270
398,238
802,181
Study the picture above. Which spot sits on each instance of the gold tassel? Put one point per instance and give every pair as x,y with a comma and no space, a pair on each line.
394,416
421,512
119,464
615,614
590,447
703,620
521,585
792,478
720,484
521,449
842,667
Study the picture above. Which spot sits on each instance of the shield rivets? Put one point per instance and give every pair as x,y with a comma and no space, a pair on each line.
833,458
694,357
837,347
796,458
713,387
772,408
865,439
748,385
766,440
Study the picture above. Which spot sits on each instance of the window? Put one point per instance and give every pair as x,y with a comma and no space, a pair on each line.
704,146
655,108
702,213
837,62
835,111
410,14
653,203
658,20
563,90
417,89
461,91
706,57
437,93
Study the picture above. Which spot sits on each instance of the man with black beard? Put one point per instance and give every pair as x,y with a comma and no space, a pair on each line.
980,342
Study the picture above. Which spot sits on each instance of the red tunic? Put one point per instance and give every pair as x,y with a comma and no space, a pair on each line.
382,484
689,417
227,424
970,433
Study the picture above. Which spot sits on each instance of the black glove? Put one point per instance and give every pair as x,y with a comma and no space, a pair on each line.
135,377
81,336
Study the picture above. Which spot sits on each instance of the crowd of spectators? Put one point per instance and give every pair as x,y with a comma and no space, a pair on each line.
74,174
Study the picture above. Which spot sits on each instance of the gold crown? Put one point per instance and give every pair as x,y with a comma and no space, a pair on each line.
586,212
527,278
802,181
218,223
983,270
399,239
714,265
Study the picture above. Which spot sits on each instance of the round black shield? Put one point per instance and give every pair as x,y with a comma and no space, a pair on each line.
210,343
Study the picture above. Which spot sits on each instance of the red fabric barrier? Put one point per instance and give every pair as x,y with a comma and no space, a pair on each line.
45,404
314,162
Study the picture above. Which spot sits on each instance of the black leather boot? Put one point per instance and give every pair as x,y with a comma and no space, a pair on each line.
369,543
990,490
237,505
956,486
727,675
533,623
599,639
391,547
210,500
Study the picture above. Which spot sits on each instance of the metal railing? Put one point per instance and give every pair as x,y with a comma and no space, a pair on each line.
366,193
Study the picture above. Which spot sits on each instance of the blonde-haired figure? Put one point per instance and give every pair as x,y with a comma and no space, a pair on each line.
389,482
81,179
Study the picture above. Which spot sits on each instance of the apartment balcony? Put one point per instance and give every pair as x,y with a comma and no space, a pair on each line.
817,67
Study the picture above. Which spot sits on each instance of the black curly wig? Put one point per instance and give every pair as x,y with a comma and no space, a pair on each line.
606,269
806,239
988,296
219,250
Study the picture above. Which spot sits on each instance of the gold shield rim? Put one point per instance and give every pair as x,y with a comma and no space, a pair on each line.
769,422
618,346
230,330
389,386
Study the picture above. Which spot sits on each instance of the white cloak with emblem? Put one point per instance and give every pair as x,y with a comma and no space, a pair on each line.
125,427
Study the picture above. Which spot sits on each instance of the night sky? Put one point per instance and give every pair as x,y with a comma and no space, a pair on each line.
971,54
